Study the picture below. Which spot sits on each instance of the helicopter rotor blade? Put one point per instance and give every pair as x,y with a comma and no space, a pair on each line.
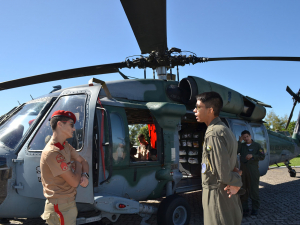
291,115
275,58
296,97
296,100
148,22
64,74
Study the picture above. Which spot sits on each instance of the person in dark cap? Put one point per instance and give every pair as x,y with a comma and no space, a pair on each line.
59,178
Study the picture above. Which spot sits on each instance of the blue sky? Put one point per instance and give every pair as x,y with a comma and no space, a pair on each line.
46,36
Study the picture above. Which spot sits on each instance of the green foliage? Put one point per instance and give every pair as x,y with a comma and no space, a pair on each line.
274,122
144,130
135,130
291,127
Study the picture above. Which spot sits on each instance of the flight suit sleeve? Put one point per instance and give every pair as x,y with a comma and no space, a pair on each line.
239,147
259,154
221,162
57,163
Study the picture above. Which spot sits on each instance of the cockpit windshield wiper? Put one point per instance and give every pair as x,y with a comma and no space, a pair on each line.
6,116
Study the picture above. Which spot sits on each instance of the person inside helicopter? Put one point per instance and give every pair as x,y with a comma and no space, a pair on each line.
133,152
143,149
145,152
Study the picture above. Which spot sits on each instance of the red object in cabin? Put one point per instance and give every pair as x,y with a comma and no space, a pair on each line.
152,135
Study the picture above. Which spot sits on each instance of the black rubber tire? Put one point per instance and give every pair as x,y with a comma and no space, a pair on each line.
292,173
170,208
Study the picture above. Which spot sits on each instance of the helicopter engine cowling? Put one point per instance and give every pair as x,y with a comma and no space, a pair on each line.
233,102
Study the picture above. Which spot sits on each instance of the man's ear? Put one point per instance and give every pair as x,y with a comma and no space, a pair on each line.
59,123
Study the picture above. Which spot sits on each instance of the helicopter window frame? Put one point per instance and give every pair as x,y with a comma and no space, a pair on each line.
47,117
145,118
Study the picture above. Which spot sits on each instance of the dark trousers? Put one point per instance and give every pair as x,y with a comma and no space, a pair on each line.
250,179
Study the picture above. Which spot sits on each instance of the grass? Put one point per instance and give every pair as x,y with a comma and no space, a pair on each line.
294,162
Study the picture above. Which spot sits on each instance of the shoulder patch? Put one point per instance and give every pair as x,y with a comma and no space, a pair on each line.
60,158
64,166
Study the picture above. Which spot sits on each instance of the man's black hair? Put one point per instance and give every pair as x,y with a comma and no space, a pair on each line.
55,119
133,151
141,135
245,132
211,100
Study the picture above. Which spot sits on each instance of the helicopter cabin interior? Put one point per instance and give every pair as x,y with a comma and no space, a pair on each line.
191,137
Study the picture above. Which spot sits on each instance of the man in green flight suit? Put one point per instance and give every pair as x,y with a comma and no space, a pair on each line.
220,183
251,152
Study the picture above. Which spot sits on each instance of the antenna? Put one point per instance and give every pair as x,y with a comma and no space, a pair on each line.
19,102
31,97
153,74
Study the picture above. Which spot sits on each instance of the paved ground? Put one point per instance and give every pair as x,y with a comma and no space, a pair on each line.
279,193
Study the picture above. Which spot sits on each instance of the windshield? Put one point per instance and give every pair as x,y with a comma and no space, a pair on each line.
15,127
73,103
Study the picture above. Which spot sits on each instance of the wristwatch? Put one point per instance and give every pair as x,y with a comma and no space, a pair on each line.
86,175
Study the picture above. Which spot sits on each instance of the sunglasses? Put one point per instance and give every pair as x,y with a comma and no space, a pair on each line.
71,124
197,107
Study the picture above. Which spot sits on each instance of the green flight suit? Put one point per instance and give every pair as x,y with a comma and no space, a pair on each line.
218,161
250,176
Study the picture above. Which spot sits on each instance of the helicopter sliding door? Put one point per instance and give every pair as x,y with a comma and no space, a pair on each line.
130,176
82,103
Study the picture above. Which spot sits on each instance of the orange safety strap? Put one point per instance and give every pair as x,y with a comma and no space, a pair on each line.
61,217
101,138
152,135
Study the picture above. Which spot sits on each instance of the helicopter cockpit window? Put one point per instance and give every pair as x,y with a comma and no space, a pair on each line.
143,135
15,127
238,128
118,138
73,103
260,136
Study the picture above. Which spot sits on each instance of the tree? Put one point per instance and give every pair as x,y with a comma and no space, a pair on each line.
291,127
144,130
274,122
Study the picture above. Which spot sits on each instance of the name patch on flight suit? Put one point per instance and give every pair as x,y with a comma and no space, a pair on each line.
206,166
250,150
203,169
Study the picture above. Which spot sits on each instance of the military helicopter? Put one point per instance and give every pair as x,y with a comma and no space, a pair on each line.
105,110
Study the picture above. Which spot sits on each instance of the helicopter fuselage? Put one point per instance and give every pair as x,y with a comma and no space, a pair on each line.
164,107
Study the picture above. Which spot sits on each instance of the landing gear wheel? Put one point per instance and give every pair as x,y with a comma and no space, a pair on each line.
293,173
174,210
